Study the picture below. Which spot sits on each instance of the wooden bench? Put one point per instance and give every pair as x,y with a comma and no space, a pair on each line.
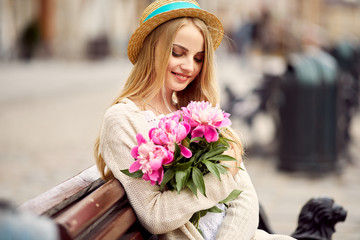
85,207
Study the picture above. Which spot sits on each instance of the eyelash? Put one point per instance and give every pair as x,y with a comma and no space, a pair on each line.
176,54
179,55
198,60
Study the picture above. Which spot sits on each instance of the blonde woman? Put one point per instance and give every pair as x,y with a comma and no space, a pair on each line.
173,53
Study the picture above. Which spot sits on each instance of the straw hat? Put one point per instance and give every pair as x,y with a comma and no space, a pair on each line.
161,11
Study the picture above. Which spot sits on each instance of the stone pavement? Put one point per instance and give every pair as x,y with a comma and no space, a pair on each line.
51,111
283,194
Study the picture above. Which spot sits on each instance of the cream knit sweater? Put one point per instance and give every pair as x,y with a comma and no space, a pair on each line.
167,213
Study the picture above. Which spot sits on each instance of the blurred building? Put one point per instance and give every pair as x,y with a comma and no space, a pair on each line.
66,28
95,28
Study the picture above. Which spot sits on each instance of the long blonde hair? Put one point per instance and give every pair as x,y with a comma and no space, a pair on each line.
144,82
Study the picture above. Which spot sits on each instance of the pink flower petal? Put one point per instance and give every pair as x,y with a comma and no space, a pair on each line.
187,127
181,134
211,135
152,135
169,158
146,177
185,152
156,163
226,115
135,166
225,123
140,139
168,125
154,176
134,152
198,131
161,177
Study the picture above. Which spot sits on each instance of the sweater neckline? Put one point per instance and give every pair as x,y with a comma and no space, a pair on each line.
137,109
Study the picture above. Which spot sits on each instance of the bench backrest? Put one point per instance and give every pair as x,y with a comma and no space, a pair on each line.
85,207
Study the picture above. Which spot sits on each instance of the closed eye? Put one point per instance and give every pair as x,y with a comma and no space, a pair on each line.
179,51
176,54
199,58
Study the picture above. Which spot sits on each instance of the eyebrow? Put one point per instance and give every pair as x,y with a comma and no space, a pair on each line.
184,48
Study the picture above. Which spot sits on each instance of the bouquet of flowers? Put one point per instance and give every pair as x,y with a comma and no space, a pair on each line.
185,146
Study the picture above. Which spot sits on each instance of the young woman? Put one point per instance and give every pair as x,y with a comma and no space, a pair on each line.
173,53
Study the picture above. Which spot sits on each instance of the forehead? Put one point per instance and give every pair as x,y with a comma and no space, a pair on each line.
190,37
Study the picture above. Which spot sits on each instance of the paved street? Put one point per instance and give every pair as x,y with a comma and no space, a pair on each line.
50,115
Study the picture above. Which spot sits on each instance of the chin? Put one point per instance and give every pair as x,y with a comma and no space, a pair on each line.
177,87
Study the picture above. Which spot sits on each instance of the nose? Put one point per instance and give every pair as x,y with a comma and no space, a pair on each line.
187,65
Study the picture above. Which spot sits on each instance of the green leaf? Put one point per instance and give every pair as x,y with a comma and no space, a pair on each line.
202,234
212,168
195,218
169,174
228,140
203,213
214,152
221,169
233,195
224,142
183,166
137,174
172,184
190,184
181,178
230,166
197,157
198,180
178,159
214,209
222,158
220,142
196,139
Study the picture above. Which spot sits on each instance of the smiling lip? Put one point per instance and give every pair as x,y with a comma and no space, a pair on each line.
181,77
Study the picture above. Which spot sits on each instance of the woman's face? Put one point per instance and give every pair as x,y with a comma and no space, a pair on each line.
186,59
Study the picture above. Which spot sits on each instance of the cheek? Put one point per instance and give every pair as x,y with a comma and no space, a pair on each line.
197,71
172,63
198,68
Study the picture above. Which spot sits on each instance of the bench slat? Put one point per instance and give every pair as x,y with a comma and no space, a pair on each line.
132,236
119,225
85,207
82,214
54,211
47,200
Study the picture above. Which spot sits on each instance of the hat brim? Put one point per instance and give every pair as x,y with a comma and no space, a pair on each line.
137,39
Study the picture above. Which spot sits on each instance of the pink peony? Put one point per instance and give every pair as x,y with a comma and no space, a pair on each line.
205,119
149,159
171,130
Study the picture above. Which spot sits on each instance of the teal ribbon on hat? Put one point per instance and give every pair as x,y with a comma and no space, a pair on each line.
170,7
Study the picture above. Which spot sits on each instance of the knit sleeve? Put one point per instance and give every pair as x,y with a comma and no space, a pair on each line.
159,212
262,235
242,216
